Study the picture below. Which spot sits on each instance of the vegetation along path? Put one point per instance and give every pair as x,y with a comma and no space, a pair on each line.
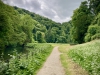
53,65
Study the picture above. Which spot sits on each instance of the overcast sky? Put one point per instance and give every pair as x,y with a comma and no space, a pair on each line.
57,10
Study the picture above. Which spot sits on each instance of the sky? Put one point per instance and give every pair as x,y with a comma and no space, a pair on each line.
57,10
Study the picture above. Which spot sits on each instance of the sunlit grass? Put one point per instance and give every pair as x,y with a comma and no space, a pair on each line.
88,56
63,57
71,68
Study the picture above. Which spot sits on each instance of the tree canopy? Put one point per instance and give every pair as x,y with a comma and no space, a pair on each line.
19,26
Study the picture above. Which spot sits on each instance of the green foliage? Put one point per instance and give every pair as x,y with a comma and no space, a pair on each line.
50,29
96,36
94,6
61,39
7,24
27,24
19,27
52,35
40,37
96,20
66,29
81,19
4,25
26,64
87,55
93,31
88,37
39,28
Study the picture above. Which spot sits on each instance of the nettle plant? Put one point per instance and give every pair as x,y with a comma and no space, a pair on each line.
25,63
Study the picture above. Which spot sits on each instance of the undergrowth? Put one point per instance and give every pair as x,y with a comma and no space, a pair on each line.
28,63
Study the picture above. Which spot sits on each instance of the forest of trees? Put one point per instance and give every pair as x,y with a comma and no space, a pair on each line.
19,26
47,30
85,21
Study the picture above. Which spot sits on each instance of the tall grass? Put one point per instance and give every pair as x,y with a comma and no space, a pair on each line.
28,63
88,56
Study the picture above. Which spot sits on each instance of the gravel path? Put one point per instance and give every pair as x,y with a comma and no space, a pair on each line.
52,66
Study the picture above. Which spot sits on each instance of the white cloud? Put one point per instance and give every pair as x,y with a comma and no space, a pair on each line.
54,11
43,5
58,19
57,10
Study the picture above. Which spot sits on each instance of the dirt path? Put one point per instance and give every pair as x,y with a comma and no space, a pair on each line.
52,66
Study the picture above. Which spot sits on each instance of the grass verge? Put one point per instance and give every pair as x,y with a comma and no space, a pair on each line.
88,56
71,68
63,57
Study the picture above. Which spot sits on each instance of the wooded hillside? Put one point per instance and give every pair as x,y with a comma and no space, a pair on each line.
19,26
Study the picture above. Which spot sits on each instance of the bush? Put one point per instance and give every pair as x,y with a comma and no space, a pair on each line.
88,37
93,33
96,36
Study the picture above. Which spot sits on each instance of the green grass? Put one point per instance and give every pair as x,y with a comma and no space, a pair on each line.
63,56
28,63
67,63
88,56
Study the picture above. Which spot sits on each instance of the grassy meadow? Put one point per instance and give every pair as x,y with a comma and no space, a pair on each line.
87,56
70,67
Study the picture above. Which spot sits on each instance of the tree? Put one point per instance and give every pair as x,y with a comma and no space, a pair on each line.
94,6
66,27
40,37
27,24
81,19
61,39
93,30
51,35
5,29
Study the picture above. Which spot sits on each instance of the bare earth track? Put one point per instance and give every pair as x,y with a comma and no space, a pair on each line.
52,66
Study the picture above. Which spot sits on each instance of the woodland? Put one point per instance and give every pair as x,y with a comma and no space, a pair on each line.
19,27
